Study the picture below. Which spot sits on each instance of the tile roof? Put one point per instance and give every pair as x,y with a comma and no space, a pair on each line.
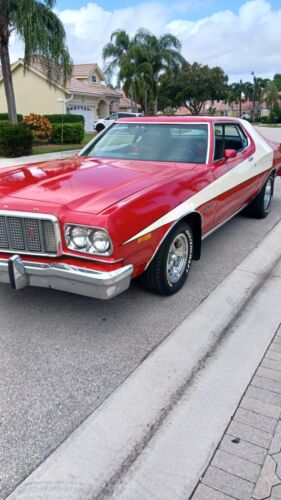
74,85
77,86
83,69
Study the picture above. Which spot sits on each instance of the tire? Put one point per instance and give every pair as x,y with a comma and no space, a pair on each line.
167,272
259,208
99,128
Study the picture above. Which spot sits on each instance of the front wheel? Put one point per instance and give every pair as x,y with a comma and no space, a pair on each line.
260,206
169,269
99,128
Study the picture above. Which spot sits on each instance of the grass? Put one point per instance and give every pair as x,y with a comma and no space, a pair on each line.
56,148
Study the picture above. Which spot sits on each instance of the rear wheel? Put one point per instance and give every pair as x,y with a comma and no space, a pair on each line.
168,271
259,208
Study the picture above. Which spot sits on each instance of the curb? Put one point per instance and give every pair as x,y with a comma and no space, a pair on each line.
25,160
107,455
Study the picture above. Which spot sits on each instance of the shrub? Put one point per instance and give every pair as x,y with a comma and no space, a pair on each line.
73,133
39,125
66,119
4,123
5,116
15,140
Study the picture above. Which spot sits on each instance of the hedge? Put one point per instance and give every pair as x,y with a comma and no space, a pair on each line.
66,118
73,133
5,116
15,140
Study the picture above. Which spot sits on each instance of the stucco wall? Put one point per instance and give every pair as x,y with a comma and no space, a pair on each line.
33,94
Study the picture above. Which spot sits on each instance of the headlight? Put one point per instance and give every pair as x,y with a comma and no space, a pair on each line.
100,241
88,239
79,236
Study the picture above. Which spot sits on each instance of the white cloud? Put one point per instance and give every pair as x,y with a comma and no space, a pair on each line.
238,42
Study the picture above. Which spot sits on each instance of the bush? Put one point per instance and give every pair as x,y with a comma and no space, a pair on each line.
15,140
4,123
66,119
73,133
39,125
5,116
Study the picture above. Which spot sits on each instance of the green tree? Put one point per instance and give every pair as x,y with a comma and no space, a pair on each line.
43,35
163,54
239,92
193,85
135,75
277,81
141,60
115,52
271,95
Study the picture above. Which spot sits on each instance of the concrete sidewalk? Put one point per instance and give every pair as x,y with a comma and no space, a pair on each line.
23,160
155,435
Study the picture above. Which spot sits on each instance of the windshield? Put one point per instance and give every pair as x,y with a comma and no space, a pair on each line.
183,143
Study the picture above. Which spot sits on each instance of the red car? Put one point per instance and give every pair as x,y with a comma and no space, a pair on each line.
137,201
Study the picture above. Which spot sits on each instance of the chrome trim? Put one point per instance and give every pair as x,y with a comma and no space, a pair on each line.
31,215
87,282
224,222
168,231
108,253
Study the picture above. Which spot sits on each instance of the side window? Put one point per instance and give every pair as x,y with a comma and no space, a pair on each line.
228,136
219,141
233,138
112,117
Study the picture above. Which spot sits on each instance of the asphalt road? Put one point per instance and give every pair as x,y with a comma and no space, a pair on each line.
62,355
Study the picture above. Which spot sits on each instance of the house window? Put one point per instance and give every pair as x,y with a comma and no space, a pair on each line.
94,79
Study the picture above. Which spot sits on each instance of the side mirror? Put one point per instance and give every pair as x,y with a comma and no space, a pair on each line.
229,153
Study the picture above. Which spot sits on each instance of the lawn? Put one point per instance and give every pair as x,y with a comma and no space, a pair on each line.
55,148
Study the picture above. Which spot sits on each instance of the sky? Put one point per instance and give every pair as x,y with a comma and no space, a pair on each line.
241,36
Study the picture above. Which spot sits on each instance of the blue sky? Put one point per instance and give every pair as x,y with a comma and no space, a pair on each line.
238,35
194,9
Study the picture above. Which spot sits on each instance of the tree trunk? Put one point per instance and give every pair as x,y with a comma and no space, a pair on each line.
7,77
145,101
155,106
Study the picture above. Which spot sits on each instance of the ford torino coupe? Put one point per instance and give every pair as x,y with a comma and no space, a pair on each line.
137,201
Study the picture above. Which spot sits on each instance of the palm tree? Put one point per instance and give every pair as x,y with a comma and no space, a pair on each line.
271,95
43,35
116,50
144,58
163,54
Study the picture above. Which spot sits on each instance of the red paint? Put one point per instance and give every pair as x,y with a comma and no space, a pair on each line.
125,196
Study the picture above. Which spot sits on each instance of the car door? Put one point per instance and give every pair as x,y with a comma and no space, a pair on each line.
234,177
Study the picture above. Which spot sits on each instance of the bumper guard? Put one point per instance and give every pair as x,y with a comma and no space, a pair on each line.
88,282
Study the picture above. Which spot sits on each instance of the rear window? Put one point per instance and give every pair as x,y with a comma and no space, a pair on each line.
182,143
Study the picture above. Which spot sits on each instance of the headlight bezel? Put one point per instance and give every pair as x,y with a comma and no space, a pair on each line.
89,248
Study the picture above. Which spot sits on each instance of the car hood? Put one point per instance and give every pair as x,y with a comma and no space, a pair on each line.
82,184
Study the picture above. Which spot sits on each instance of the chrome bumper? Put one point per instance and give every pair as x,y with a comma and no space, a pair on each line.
95,284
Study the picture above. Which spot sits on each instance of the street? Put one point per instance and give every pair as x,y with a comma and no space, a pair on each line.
62,355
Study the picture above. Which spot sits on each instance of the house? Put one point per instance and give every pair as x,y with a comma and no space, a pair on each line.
85,94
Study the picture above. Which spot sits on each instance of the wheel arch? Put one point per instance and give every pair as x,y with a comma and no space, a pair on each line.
194,219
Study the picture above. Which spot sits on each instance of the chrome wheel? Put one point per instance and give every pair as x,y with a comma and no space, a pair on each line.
267,194
177,258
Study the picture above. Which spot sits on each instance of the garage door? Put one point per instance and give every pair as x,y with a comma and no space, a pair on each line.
85,111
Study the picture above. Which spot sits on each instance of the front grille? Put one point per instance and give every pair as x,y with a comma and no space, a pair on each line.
27,235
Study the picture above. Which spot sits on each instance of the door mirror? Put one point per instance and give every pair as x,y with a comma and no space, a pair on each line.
229,153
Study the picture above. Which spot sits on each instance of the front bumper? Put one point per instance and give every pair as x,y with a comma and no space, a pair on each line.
92,283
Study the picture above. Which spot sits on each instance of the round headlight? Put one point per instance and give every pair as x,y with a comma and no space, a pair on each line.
79,236
100,241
